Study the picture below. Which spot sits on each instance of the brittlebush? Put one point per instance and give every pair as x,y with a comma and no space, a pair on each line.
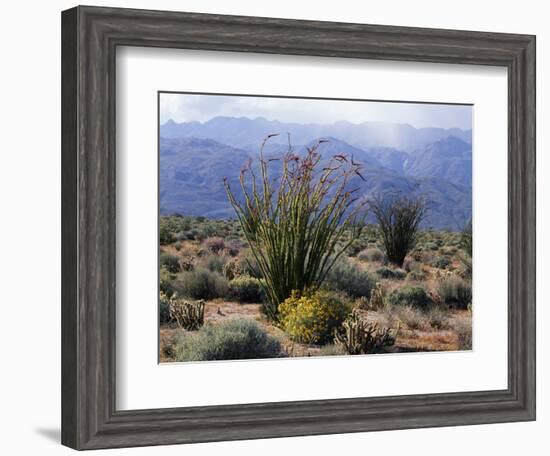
312,318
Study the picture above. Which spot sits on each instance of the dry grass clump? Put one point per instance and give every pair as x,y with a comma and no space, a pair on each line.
455,291
372,254
463,330
214,244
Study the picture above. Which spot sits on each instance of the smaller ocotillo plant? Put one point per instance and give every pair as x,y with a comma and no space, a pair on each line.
187,315
357,337
466,243
293,224
399,221
466,239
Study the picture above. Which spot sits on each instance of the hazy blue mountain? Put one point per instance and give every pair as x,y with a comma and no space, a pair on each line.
246,133
192,172
449,159
330,146
390,158
191,176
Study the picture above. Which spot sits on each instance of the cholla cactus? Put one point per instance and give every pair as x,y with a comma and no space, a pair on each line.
357,337
231,269
187,315
377,297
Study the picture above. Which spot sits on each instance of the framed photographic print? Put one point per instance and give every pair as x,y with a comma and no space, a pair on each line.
280,228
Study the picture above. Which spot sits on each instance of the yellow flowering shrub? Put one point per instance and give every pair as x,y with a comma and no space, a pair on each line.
312,318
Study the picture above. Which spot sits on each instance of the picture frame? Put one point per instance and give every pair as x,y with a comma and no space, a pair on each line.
90,36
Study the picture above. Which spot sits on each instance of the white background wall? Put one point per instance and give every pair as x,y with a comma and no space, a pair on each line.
30,225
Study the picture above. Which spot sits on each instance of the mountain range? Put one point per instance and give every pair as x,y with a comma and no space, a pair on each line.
433,163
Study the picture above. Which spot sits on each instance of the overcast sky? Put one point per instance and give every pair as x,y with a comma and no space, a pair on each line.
186,108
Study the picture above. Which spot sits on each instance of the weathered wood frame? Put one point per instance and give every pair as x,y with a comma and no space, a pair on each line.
90,36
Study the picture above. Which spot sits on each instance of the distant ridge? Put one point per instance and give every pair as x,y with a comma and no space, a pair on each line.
192,170
244,132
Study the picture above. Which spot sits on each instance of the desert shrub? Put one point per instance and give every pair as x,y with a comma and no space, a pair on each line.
231,249
415,276
188,315
372,254
199,235
399,221
165,281
412,317
164,308
450,251
463,331
455,291
357,337
408,295
293,224
246,289
214,244
181,236
200,283
177,246
411,265
437,318
312,317
441,262
165,236
233,339
431,246
356,246
170,262
187,263
390,273
331,350
246,264
167,348
214,263
349,278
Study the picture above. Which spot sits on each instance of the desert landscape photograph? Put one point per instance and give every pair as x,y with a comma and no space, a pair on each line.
302,227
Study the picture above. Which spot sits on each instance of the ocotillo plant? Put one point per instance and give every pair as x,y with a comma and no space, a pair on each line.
466,242
295,223
466,238
399,219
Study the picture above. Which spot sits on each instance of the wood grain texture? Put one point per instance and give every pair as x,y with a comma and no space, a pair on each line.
89,39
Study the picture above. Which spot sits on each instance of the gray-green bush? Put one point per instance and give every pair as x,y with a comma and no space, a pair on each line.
408,295
246,289
455,291
170,262
390,273
232,339
441,262
201,283
463,330
349,278
371,254
214,263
